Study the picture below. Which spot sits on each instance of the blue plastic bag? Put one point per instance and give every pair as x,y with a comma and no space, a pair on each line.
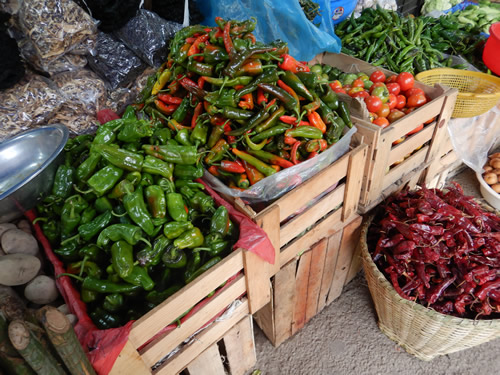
283,20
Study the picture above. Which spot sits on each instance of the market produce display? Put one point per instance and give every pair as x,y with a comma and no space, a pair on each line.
129,222
251,108
410,44
440,249
492,172
479,16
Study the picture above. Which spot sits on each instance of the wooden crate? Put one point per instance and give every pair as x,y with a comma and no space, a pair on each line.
138,358
312,280
340,204
390,166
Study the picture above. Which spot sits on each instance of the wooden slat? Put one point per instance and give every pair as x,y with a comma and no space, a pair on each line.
399,151
332,251
355,266
301,288
203,340
153,321
240,347
354,180
154,352
129,362
416,161
265,319
409,122
310,189
257,281
284,292
325,228
270,222
350,239
311,215
315,276
207,363
382,149
370,138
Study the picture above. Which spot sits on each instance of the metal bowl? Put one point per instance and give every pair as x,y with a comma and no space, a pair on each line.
28,165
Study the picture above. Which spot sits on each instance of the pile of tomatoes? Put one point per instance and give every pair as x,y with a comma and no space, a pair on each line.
387,98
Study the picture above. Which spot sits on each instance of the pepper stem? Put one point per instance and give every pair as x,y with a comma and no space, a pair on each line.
82,191
70,239
118,215
145,241
70,275
44,219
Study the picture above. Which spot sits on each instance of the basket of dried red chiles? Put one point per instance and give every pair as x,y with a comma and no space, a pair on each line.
432,261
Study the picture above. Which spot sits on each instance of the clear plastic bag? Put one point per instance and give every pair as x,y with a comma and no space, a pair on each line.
148,35
276,185
473,138
114,62
283,20
56,27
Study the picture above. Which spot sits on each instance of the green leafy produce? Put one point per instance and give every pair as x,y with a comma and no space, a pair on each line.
480,17
432,5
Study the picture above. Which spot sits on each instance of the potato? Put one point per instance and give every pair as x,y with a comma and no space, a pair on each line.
18,269
495,163
5,227
16,241
495,187
25,226
496,171
487,168
490,178
496,155
41,290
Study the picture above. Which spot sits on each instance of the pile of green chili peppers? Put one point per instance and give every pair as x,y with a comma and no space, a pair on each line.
128,219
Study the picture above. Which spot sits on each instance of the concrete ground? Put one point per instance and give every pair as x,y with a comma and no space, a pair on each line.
344,339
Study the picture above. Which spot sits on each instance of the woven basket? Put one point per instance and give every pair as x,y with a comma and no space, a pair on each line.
477,92
422,332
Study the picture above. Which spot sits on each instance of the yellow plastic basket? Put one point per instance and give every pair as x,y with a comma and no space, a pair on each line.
477,92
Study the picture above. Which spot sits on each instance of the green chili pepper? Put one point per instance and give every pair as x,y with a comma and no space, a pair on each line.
174,258
51,230
286,99
192,264
105,179
174,229
202,69
176,207
198,200
121,189
146,91
119,157
70,214
331,98
136,209
261,166
102,204
344,113
140,277
146,180
334,131
220,221
180,113
87,215
104,320
134,130
238,59
122,255
151,256
305,132
156,201
68,251
173,153
271,132
118,232
241,80
189,239
236,113
89,230
188,172
191,184
213,54
91,252
296,84
183,137
271,120
160,136
209,264
157,166
134,177
199,134
158,297
113,302
88,166
88,296
63,181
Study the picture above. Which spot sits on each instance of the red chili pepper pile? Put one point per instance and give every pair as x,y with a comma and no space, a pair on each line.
250,108
441,249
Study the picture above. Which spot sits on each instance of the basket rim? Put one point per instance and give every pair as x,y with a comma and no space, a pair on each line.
445,319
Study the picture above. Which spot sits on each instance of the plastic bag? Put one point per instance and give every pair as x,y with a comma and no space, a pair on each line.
148,35
56,27
473,138
283,20
274,186
114,62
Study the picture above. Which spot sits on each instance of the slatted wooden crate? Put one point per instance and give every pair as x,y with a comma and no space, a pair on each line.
311,280
137,358
389,165
339,204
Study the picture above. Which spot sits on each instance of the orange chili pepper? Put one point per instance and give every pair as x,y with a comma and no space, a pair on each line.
316,120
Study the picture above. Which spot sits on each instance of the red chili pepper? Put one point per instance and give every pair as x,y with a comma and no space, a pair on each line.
482,293
231,166
253,174
292,120
195,47
165,109
174,86
288,89
315,145
231,139
228,43
197,112
315,120
293,152
289,63
169,99
261,98
232,185
214,170
246,101
290,140
312,155
201,82
251,37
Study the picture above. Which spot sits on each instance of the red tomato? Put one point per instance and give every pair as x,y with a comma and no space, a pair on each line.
391,79
416,100
397,141
395,115
405,80
429,121
416,130
400,101
382,122
335,85
358,83
384,111
377,76
413,91
392,101
337,90
373,103
346,87
375,85
372,116
393,88
354,90
408,110
360,94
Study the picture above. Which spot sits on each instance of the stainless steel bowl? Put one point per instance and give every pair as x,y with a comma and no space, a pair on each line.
28,163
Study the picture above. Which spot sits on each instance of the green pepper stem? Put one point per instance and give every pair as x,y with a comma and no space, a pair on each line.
118,215
145,241
83,265
202,249
44,219
70,239
70,275
82,191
